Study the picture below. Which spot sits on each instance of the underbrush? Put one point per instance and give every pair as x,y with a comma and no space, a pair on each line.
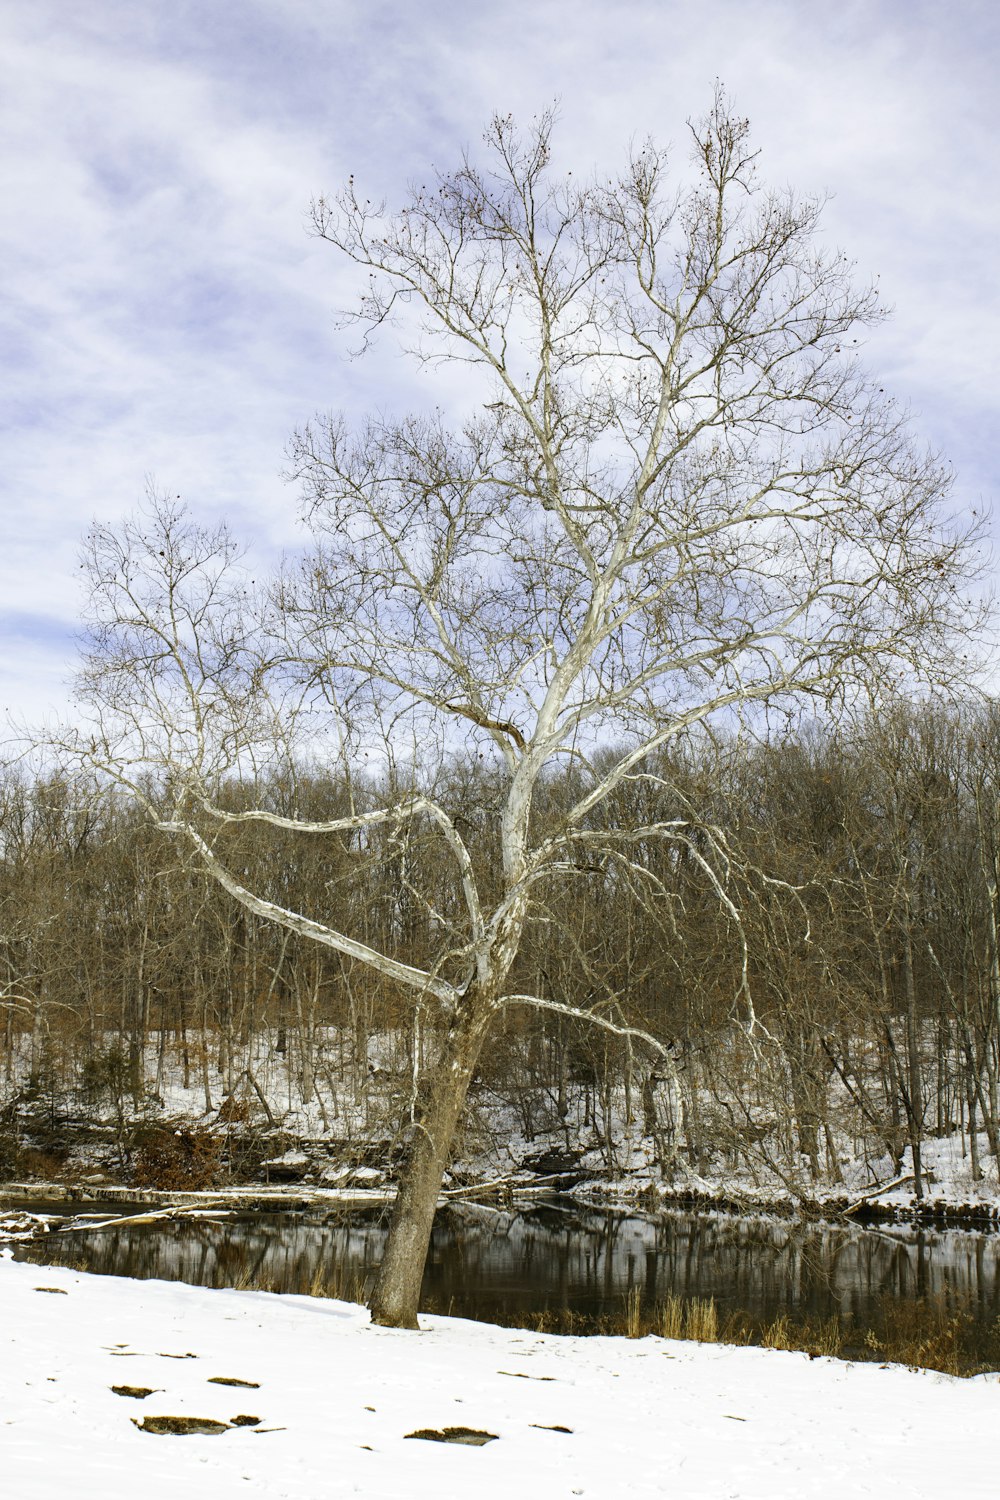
324,1281
175,1160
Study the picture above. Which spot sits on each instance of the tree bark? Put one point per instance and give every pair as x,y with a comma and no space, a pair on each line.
914,1098
396,1294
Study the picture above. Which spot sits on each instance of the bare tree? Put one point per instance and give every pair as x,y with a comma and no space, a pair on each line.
682,501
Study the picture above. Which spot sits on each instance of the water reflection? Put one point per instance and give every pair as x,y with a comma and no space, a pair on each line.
757,1266
494,1265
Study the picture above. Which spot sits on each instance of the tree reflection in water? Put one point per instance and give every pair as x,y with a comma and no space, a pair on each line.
506,1266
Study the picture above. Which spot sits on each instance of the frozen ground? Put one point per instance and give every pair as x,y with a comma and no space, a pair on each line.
337,1397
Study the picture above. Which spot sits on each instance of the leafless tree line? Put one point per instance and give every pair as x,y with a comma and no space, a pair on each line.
825,976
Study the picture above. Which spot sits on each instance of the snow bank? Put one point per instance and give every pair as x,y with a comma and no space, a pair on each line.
336,1398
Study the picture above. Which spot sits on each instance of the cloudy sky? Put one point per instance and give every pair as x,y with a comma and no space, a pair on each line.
164,314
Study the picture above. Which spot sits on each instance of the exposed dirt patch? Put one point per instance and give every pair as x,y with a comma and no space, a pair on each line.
181,1426
471,1437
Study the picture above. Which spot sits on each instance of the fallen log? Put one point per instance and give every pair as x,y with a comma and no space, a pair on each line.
884,1187
155,1216
520,1185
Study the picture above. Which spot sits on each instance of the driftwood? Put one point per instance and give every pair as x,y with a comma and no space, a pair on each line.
884,1187
516,1184
155,1216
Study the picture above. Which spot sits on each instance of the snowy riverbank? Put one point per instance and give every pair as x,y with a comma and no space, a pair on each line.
256,1129
336,1399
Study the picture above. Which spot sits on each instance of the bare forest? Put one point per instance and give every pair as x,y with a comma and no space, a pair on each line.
844,996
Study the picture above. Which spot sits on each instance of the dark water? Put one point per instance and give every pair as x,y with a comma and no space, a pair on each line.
511,1267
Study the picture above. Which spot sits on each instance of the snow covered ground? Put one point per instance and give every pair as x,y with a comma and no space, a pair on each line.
336,1399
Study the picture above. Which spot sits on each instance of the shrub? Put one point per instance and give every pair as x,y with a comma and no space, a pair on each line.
175,1159
110,1078
10,1155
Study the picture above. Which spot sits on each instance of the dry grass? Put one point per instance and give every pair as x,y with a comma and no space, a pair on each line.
335,1282
930,1335
693,1318
326,1281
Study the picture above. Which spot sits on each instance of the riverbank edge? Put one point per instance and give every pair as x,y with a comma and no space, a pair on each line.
264,1198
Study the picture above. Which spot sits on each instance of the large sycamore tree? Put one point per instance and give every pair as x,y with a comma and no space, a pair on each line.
680,501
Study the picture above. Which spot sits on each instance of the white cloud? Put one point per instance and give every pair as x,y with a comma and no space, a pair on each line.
168,315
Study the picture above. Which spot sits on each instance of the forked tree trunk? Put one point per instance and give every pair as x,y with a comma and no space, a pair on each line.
396,1293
